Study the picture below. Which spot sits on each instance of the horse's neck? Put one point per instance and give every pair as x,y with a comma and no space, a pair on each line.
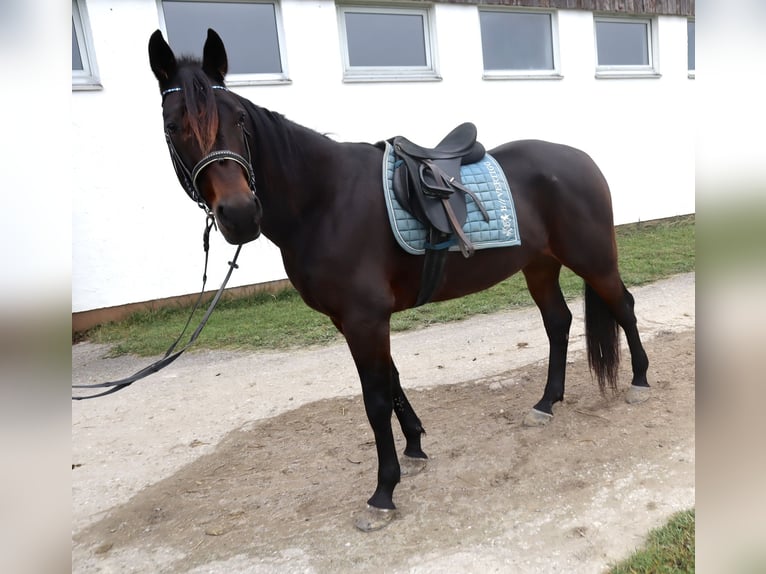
289,161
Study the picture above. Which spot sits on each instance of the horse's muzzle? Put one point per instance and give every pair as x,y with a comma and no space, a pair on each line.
239,218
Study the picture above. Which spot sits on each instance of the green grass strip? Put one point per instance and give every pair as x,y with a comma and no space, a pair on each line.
668,549
648,251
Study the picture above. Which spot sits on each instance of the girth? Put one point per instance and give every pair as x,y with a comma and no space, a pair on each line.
427,184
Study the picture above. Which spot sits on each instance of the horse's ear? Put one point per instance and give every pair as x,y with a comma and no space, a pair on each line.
214,61
161,57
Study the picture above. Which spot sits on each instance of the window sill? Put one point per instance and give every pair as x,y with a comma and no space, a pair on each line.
373,78
515,76
626,75
255,81
87,86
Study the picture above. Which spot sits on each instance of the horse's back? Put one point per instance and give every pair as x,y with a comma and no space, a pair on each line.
557,179
562,200
539,158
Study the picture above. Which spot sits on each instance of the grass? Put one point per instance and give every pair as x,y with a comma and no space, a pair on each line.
668,549
648,251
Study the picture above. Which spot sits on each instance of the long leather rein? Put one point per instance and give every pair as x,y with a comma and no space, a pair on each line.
171,354
188,180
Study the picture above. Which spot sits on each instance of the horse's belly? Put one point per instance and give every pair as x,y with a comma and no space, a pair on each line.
484,269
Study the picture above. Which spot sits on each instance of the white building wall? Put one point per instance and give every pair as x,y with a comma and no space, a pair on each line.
137,237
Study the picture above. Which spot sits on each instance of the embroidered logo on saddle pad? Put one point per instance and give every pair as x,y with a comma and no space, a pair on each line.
484,178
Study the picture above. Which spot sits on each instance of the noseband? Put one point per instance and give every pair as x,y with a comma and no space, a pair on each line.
188,178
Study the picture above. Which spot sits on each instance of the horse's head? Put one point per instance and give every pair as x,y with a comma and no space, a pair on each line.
206,128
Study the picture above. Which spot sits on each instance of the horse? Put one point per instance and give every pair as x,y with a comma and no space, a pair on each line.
321,203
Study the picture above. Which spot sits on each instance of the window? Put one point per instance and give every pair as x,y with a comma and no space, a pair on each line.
84,72
518,44
251,32
690,47
625,48
386,44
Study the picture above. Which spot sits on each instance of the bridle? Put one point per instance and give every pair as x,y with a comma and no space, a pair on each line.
188,178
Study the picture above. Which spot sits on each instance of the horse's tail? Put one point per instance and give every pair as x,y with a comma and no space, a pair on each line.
602,339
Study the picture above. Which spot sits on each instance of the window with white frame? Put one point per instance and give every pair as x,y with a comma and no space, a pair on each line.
84,71
250,30
625,47
518,44
690,40
387,44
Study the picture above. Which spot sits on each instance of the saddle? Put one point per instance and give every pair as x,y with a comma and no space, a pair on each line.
426,183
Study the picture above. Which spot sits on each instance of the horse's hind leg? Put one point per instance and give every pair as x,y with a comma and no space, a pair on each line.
542,277
414,459
608,294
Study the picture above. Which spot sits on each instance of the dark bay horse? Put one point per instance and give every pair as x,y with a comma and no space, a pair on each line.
321,202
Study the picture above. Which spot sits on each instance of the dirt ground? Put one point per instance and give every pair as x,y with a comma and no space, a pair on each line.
233,462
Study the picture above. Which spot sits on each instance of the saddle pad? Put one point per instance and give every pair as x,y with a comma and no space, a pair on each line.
484,178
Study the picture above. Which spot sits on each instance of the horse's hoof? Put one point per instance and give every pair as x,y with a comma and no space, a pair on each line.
372,518
637,395
537,418
410,466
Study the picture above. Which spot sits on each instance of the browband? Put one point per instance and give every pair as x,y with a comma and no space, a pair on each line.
171,90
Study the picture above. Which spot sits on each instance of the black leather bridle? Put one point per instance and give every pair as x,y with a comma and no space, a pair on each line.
188,178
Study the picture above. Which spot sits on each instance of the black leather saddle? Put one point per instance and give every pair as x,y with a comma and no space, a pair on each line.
427,182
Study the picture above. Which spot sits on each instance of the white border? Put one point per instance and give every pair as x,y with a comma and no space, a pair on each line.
429,72
87,78
248,79
624,71
691,73
511,74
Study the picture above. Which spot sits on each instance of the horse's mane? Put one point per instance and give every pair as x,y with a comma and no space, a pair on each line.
282,133
201,118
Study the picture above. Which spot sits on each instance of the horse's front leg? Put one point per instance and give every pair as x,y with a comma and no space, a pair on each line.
370,347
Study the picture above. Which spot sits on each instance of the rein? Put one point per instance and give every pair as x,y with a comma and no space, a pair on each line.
188,180
170,355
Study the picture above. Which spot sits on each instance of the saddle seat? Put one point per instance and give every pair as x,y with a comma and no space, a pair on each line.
427,183
459,143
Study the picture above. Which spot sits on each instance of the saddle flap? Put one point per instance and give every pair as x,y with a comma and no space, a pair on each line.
404,195
412,192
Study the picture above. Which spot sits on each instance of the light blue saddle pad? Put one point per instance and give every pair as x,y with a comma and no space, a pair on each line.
484,178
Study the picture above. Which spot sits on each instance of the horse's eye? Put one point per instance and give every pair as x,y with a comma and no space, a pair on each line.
241,119
171,127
